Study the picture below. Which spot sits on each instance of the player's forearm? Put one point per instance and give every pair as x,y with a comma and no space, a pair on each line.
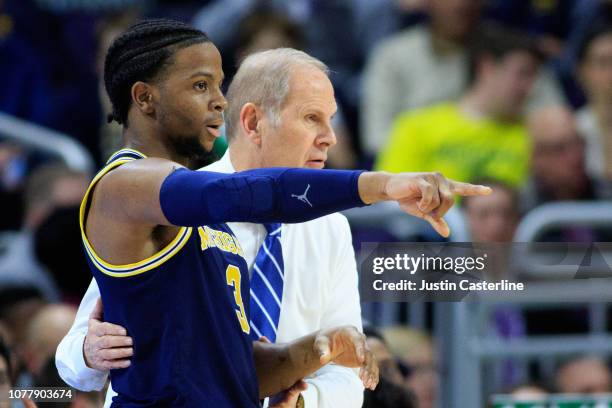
189,198
279,366
372,186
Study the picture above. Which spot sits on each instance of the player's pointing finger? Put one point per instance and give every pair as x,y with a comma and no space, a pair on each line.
467,189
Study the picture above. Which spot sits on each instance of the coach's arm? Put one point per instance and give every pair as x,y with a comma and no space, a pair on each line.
92,347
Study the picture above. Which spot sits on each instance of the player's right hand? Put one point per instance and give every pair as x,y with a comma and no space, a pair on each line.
107,346
346,346
429,195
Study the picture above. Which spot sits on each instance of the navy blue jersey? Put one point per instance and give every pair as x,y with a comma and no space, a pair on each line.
186,309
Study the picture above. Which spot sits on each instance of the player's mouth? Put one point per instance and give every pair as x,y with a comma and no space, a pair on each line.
214,129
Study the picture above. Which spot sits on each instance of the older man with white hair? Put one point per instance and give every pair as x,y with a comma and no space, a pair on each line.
281,103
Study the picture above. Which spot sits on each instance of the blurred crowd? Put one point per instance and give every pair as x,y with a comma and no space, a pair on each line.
516,94
410,373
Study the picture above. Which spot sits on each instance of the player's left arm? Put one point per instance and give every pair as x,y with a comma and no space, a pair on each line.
333,385
280,366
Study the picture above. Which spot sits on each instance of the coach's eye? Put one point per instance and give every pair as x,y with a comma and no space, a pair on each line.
201,86
311,118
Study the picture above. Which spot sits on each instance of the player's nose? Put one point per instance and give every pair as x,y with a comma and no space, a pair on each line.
219,103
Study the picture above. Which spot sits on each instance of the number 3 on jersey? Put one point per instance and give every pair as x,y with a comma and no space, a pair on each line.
232,275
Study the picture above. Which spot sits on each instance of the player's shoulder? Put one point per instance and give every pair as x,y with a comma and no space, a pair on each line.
147,163
129,170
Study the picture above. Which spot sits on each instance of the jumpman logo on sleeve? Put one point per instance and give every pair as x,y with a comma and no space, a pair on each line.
303,197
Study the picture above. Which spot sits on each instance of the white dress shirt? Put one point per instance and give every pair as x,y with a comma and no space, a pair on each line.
320,291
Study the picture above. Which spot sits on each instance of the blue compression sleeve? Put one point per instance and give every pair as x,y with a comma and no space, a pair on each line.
194,198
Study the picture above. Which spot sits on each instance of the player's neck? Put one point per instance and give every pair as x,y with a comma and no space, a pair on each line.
150,146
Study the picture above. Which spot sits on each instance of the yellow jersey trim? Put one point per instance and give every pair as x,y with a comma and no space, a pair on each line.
136,268
126,150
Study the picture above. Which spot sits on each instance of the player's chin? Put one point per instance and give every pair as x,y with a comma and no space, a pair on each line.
207,142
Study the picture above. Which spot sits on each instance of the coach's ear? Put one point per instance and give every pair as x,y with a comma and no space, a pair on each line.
143,97
251,122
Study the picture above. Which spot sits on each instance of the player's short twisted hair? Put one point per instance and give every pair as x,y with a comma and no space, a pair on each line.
140,54
263,79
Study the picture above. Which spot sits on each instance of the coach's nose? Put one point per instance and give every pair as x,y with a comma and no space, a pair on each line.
327,137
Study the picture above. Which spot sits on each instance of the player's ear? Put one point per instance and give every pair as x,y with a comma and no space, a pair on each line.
143,97
250,122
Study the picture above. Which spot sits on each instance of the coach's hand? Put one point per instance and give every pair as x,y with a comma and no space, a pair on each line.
107,346
425,195
346,346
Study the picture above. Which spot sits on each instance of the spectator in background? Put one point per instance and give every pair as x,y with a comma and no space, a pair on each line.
391,391
262,31
48,377
595,118
482,135
550,21
495,217
416,352
387,363
52,196
388,395
584,375
425,65
44,333
17,308
558,154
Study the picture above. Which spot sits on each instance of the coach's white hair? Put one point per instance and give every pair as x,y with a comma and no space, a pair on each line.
263,79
